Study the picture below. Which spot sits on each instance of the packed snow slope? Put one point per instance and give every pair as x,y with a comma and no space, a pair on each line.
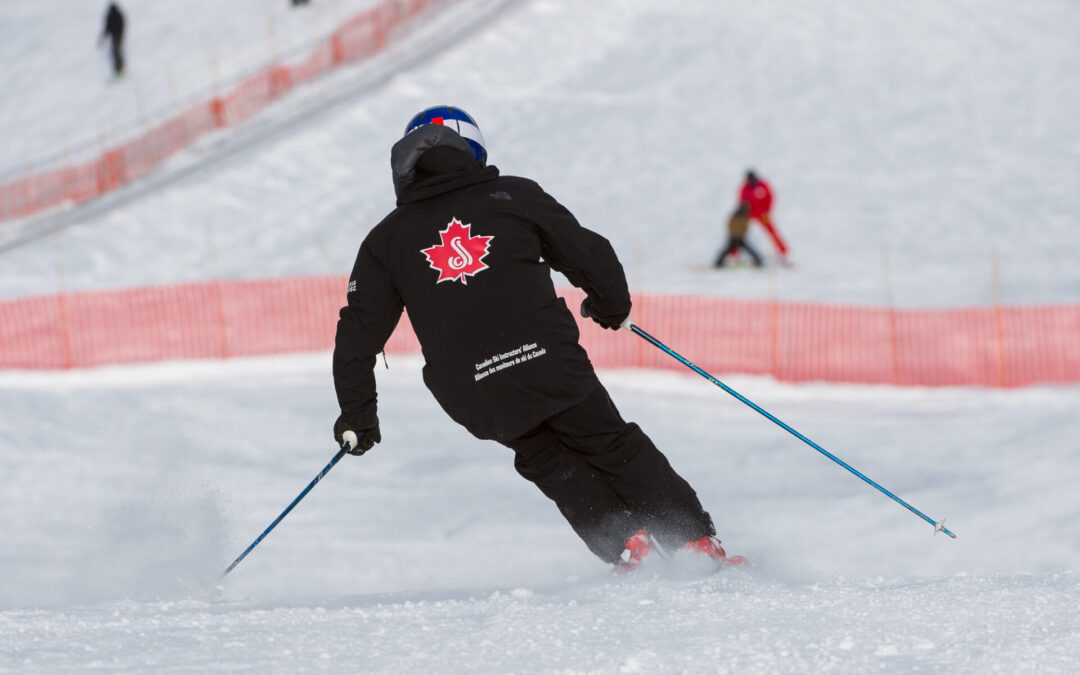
128,490
925,134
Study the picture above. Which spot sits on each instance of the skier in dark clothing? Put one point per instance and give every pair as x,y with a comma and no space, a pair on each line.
738,224
469,252
114,30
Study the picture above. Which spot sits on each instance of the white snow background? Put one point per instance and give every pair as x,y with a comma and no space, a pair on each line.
931,136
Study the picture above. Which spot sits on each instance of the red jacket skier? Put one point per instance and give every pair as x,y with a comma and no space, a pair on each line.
758,195
469,254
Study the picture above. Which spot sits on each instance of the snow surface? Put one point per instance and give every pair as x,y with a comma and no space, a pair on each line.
925,133
430,553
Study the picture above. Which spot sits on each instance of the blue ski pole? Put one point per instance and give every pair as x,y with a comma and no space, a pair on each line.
326,469
939,526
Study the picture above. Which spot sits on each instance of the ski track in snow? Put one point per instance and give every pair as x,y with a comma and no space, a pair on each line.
930,133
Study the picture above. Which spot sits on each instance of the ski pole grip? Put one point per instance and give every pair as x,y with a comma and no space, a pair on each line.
350,438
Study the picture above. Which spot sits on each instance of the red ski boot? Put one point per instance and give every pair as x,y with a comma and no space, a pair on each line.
634,552
711,547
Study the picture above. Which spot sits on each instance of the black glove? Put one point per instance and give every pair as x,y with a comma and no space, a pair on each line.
366,435
610,322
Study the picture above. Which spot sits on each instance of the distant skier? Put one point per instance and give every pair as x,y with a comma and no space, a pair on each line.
469,254
738,224
756,193
114,30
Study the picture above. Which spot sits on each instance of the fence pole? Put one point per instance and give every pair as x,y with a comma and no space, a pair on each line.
61,287
149,144
774,302
27,183
890,302
999,316
217,106
67,186
99,179
219,289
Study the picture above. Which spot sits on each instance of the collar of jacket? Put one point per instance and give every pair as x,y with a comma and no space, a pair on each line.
452,166
445,182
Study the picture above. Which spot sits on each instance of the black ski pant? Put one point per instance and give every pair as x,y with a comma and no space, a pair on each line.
731,248
608,479
117,51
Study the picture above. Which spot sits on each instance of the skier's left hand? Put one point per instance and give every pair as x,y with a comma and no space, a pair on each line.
610,322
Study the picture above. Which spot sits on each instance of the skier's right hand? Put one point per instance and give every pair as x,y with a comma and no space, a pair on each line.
361,437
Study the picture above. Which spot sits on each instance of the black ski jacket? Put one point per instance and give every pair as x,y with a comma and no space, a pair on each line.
468,254
114,24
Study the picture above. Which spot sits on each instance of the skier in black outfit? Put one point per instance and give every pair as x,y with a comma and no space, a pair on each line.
114,30
738,224
469,252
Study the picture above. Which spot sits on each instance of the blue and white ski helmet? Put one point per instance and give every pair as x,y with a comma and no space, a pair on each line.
457,120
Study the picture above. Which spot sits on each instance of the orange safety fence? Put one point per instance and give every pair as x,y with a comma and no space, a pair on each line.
1007,346
358,38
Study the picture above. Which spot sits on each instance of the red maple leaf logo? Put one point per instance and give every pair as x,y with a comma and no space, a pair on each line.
459,254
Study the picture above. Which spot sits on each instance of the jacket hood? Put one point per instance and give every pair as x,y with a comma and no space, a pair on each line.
430,156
